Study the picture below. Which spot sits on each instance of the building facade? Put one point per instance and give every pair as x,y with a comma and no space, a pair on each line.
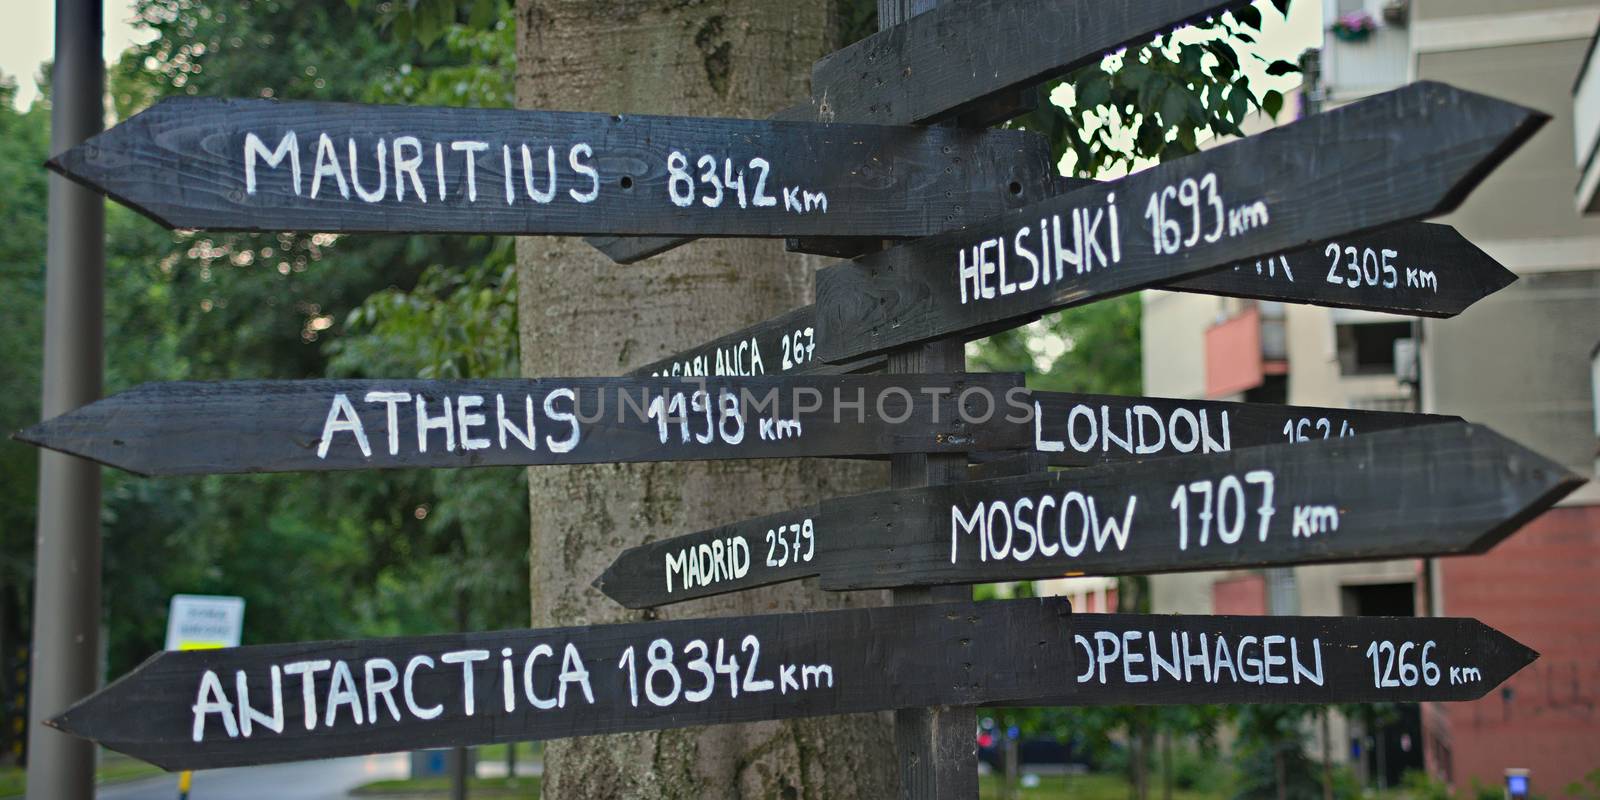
1518,361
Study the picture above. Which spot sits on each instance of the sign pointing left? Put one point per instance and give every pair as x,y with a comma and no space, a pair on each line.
263,165
288,702
191,428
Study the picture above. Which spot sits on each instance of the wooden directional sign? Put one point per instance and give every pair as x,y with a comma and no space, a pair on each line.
942,62
1422,269
253,705
1076,430
1417,268
1430,490
1399,156
284,426
268,165
783,345
262,704
919,72
1164,659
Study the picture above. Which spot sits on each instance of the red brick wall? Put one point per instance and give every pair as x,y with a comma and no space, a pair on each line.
1541,587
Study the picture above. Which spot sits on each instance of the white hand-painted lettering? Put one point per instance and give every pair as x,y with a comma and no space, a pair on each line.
1026,527
983,273
1259,660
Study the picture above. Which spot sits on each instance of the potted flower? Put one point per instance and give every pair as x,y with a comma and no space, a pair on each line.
1355,26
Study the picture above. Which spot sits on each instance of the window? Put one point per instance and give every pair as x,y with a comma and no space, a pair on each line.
1368,348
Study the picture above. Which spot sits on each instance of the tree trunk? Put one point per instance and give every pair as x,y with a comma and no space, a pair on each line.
582,315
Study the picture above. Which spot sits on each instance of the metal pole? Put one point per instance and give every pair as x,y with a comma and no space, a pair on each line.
66,582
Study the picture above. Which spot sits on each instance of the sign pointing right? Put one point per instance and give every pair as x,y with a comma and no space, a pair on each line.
1431,490
1419,268
1163,659
1407,154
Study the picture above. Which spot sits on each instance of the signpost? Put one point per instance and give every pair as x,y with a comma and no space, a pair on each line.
1166,659
923,68
189,428
1425,269
288,702
1175,221
275,703
1431,490
1321,212
268,165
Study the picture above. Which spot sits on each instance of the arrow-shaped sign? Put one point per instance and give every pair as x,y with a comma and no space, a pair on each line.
945,62
1424,491
204,709
941,62
187,428
253,705
268,165
1406,154
1164,659
1417,268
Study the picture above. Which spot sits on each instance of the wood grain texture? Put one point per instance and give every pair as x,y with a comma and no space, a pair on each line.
1432,490
877,659
1129,659
955,58
183,162
783,345
189,428
1400,156
1436,272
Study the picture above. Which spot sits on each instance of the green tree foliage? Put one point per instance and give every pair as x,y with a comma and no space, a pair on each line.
24,144
316,556
1154,102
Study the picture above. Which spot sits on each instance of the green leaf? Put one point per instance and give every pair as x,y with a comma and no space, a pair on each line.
1094,92
1272,103
1174,106
1282,68
484,13
1227,58
1238,102
1282,6
1248,16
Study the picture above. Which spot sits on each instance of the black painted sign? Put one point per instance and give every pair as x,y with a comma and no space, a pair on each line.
203,709
943,63
1076,430
1422,269
264,165
1436,489
1417,268
1164,659
953,57
187,428
1406,154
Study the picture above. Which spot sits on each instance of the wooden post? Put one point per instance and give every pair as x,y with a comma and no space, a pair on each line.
938,746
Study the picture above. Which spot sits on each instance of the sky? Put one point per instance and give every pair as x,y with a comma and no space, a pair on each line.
27,37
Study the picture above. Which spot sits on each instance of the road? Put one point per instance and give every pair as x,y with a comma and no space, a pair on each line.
305,780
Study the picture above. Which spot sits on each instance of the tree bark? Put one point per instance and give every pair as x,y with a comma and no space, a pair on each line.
582,315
